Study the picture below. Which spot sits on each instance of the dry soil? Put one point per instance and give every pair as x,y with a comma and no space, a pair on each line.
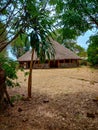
62,99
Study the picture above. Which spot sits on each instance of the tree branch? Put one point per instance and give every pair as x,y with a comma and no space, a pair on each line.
89,15
5,44
1,10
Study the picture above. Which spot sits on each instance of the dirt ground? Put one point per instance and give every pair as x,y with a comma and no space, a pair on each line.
62,99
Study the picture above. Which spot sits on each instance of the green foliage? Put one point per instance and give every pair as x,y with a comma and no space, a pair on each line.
16,98
10,70
73,46
92,50
75,17
83,62
20,45
70,44
30,17
79,50
41,28
2,35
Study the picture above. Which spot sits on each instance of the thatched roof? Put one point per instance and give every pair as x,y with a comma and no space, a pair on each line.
60,53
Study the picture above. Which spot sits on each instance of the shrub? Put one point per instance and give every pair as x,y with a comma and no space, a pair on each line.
10,70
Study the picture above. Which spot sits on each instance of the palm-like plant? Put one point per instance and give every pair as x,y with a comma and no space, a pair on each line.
30,17
37,24
40,30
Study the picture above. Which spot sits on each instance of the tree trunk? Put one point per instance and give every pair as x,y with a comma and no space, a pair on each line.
2,87
3,90
30,76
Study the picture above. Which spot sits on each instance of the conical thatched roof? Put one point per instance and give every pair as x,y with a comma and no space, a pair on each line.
60,53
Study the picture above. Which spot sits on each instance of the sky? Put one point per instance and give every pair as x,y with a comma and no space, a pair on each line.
81,40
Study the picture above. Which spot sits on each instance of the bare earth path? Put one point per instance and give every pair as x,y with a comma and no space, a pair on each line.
62,99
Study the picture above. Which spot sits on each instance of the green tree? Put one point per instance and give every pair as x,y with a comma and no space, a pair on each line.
75,17
73,46
7,78
39,36
69,43
31,17
7,18
2,37
92,50
20,45
10,70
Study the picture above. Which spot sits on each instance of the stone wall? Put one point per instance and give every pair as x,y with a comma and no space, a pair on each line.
41,66
67,65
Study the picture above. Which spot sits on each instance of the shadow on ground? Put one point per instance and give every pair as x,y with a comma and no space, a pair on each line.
75,111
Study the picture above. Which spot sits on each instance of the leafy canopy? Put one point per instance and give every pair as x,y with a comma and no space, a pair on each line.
30,17
75,17
93,50
20,45
10,70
